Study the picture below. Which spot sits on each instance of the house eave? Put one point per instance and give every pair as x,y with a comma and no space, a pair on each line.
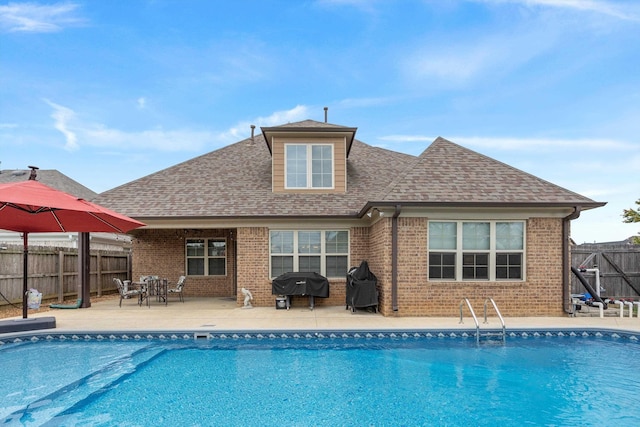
347,132
356,218
181,222
496,205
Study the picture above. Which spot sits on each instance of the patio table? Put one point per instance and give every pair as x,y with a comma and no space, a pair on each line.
161,286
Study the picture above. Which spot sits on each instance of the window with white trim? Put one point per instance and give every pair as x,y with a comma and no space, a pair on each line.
322,251
476,250
309,166
206,257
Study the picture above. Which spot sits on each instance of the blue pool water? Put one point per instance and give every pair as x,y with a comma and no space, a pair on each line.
375,379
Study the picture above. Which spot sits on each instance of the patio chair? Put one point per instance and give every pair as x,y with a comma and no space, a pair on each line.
139,293
178,288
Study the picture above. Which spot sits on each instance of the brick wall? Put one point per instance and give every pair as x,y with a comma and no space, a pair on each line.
539,295
253,268
413,296
162,253
380,262
253,265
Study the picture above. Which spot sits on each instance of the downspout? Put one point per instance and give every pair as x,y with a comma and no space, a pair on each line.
394,258
566,279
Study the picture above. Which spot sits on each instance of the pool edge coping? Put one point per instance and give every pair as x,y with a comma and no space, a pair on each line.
231,334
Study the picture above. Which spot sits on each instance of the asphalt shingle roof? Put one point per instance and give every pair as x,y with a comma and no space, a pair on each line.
235,181
449,173
50,177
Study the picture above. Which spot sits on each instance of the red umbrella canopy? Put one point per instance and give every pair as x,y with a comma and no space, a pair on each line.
30,206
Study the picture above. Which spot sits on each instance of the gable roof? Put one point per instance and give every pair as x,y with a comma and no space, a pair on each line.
236,182
52,178
447,173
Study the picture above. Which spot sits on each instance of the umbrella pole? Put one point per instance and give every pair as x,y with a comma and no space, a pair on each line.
24,275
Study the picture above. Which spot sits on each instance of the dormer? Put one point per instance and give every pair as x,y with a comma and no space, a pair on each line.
309,156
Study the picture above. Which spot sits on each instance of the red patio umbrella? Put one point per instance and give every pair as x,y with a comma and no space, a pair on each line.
30,207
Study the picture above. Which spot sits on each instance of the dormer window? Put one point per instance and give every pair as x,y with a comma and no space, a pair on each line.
309,166
309,157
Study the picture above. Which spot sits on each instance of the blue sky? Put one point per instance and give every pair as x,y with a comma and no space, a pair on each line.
109,91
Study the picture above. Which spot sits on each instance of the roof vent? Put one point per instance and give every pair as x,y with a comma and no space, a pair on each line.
253,128
325,113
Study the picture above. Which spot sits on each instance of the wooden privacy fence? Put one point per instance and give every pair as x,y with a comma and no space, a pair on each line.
619,267
54,272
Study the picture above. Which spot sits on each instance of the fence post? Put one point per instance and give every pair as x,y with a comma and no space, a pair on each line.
60,275
129,266
99,273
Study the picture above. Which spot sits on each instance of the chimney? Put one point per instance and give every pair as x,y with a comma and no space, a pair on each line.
325,114
34,173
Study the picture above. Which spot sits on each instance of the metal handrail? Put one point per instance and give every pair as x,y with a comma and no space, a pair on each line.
475,319
495,307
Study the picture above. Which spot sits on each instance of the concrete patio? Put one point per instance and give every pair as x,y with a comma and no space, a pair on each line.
222,314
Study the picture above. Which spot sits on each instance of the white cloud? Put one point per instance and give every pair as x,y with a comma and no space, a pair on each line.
449,62
63,117
154,139
367,6
454,60
99,135
407,138
297,113
364,102
626,11
545,143
530,144
460,64
77,132
141,103
242,129
37,18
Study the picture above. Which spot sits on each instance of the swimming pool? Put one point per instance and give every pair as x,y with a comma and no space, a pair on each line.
378,378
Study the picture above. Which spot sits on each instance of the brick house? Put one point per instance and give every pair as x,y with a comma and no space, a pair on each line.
308,196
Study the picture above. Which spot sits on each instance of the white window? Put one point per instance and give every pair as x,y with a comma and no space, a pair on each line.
308,166
206,257
476,250
325,252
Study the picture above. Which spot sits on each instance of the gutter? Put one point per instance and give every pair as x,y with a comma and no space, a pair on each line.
566,260
394,258
584,205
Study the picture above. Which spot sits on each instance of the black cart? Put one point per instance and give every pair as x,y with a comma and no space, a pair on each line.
362,291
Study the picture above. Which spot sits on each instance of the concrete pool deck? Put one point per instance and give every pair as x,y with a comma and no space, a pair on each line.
222,314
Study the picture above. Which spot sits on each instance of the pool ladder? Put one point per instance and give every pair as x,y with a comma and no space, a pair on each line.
488,334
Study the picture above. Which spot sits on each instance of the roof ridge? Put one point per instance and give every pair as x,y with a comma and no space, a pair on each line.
307,123
400,177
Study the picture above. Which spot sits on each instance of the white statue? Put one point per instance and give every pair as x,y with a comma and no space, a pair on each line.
247,298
